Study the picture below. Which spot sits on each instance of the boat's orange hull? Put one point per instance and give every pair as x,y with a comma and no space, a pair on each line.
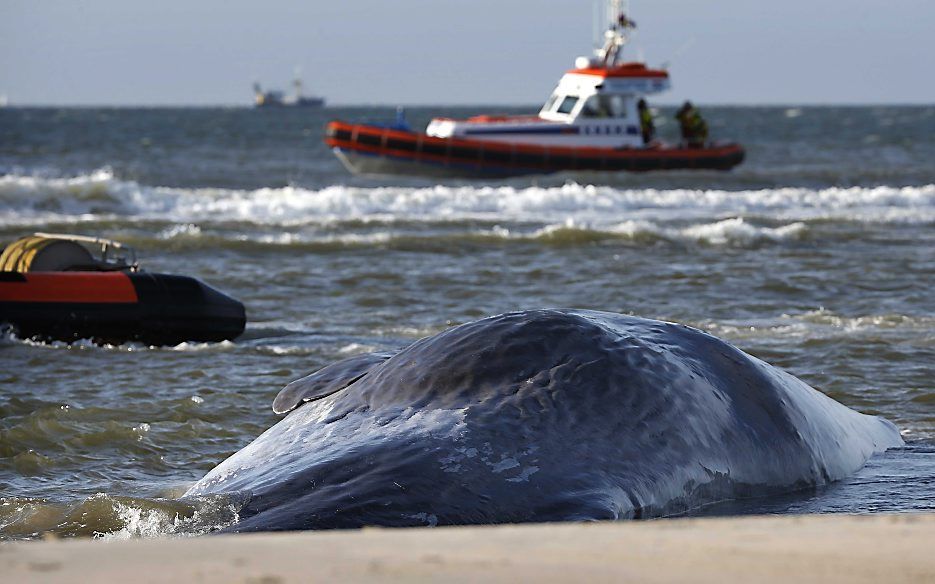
368,149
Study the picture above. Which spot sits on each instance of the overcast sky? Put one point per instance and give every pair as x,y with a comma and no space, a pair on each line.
179,52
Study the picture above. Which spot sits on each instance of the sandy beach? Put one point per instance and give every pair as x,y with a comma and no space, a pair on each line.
816,548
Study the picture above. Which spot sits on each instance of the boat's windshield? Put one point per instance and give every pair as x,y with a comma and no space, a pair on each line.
605,106
568,104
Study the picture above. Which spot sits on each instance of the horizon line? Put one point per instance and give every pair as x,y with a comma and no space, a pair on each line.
352,105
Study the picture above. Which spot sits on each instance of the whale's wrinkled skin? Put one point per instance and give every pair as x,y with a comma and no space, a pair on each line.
544,415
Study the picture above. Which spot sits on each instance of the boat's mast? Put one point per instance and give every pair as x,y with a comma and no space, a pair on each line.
615,8
618,32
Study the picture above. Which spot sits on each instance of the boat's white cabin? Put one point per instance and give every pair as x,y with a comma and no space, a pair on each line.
591,106
595,104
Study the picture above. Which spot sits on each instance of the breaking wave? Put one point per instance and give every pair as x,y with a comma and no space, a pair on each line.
824,324
106,516
30,200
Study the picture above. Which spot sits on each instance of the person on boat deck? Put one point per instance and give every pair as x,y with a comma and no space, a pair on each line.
646,121
694,128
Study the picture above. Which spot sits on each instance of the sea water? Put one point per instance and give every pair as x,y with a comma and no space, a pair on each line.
817,255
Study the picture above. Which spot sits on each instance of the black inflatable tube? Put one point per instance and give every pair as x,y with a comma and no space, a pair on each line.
170,310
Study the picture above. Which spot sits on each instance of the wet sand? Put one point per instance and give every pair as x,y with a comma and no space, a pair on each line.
815,548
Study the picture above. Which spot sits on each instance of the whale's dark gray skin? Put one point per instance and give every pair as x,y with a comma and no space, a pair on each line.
544,415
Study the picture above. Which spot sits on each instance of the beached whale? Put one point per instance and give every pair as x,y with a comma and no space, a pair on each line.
544,415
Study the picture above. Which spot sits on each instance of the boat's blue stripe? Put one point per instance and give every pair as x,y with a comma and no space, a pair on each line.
595,131
548,130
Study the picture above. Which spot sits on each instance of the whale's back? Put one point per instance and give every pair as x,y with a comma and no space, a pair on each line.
543,415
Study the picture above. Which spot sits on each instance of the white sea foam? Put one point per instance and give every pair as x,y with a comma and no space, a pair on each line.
738,230
192,346
204,514
26,200
823,324
356,349
180,230
735,230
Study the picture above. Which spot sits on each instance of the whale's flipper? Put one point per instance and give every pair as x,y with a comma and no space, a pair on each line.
327,381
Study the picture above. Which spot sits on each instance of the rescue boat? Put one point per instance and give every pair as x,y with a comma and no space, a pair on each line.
591,122
52,288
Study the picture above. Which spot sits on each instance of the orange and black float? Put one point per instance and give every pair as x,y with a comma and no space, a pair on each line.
53,288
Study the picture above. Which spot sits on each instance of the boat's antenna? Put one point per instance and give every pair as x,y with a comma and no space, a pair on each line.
678,53
618,33
596,24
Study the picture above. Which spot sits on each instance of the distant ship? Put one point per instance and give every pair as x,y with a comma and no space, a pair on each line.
275,98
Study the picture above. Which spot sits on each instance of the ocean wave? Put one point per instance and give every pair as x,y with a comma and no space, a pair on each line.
9,337
111,517
822,323
32,200
267,339
733,231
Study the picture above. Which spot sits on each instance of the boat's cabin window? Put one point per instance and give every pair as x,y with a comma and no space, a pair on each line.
567,105
550,103
605,106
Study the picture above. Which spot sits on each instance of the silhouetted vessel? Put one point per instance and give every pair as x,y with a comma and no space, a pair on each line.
276,98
